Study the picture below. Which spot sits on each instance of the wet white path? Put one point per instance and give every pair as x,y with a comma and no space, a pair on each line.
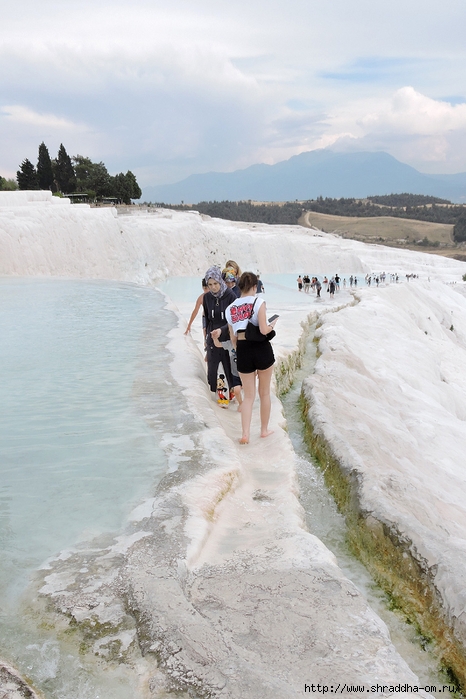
277,611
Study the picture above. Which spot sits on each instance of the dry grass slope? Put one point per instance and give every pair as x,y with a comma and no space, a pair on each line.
381,229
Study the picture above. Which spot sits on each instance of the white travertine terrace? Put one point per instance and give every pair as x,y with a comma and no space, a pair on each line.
246,602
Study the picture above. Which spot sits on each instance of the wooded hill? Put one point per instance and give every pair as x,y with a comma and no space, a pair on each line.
412,206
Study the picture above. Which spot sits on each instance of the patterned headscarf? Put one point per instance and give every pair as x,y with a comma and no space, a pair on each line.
216,274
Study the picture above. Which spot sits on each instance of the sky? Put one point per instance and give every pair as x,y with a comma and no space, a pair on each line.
169,89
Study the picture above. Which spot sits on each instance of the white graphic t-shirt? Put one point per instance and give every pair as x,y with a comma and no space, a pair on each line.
237,314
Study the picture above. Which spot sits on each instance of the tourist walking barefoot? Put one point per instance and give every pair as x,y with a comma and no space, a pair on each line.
253,358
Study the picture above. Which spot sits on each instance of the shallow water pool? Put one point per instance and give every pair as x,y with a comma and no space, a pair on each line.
79,446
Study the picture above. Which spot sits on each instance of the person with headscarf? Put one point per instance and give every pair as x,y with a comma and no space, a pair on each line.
215,301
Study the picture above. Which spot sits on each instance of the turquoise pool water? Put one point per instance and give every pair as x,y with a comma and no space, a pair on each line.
78,448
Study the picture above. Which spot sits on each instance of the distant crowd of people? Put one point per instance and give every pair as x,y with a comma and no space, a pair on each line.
237,345
334,284
306,283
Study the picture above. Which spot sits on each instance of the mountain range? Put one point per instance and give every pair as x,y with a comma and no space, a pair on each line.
309,175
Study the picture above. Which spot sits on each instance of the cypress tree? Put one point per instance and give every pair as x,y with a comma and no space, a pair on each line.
26,176
64,172
44,168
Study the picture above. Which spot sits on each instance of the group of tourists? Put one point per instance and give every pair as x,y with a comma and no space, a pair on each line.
332,285
335,283
305,282
237,353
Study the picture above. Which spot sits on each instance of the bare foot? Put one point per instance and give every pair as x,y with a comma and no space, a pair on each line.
239,408
266,433
243,440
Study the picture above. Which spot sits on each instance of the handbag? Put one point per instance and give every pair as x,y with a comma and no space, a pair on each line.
253,333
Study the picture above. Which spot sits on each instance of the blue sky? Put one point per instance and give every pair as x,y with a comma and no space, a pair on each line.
171,89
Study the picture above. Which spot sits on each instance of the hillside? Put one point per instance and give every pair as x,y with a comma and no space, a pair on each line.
383,229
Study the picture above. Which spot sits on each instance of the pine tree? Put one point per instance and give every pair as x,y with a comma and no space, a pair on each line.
64,172
44,168
27,176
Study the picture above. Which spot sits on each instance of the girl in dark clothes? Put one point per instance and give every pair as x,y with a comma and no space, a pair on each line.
215,302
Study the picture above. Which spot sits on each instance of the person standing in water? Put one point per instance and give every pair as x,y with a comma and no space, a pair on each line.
252,357
300,283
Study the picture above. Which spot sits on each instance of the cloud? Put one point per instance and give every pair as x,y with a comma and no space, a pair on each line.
167,90
23,129
409,125
411,112
18,114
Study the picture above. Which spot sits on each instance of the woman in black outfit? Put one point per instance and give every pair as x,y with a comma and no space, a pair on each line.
215,302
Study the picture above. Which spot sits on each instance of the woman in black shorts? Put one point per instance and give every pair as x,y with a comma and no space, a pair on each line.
251,356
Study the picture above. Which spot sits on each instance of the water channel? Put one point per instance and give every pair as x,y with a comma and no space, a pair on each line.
324,520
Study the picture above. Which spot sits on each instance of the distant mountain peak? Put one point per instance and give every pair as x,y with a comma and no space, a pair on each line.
322,172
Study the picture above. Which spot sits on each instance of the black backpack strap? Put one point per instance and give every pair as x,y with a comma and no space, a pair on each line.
252,309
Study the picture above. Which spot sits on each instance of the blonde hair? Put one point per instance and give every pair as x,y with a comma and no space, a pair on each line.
233,265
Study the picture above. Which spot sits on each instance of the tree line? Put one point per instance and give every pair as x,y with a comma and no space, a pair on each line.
412,206
422,208
7,184
76,175
406,199
287,213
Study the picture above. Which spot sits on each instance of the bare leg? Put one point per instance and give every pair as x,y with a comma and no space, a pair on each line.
265,377
238,396
249,388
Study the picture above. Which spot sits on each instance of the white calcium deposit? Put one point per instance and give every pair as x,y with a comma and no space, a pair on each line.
239,599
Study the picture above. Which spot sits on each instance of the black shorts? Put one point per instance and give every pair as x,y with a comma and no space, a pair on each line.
253,356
